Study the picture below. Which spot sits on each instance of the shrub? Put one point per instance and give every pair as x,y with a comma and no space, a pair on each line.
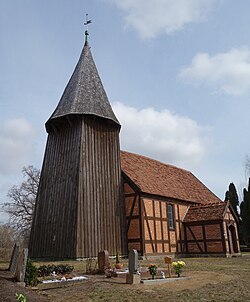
31,274
62,269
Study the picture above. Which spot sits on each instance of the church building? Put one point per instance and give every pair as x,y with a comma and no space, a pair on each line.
92,196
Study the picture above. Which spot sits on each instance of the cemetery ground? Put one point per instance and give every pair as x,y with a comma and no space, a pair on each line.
212,279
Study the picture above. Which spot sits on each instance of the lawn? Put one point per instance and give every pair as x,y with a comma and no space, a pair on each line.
212,279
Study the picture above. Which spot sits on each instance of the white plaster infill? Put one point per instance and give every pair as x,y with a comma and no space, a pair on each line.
166,280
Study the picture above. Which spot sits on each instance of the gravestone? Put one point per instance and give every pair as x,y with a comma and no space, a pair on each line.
103,261
21,265
133,261
133,277
14,259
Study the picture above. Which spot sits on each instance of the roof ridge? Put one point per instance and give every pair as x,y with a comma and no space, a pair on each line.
158,161
209,204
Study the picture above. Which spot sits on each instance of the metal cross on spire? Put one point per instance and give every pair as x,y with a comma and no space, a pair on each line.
87,27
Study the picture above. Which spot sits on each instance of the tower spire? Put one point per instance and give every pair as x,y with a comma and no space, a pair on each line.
87,28
84,93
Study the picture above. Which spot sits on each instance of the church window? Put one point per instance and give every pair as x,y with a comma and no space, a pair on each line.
171,216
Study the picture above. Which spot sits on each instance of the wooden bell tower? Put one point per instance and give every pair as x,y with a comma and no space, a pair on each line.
78,209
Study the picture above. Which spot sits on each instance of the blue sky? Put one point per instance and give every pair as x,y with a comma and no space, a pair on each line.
177,73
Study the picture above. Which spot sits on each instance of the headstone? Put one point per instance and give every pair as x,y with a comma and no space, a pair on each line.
103,261
21,265
14,258
133,261
133,277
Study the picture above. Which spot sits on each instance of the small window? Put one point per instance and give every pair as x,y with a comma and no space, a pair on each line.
171,216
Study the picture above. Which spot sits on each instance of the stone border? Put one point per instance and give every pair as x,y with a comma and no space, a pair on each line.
166,280
62,284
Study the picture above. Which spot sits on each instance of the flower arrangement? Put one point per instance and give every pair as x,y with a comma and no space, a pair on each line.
152,270
118,264
178,266
117,257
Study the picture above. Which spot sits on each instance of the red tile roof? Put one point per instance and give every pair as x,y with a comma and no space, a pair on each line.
212,211
154,177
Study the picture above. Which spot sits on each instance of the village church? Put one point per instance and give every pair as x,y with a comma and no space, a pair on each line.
92,196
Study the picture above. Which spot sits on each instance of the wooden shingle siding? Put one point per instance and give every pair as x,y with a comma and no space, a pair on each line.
78,211
99,208
53,233
84,93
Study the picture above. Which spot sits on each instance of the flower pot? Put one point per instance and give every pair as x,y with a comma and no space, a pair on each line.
118,265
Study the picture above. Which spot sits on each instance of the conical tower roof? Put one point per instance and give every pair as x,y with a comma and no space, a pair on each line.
84,93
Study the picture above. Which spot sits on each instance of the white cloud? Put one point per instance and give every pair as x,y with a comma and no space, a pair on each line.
227,72
16,136
165,136
153,17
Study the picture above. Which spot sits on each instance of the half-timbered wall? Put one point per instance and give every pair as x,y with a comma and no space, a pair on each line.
149,231
147,224
133,219
205,238
213,237
159,238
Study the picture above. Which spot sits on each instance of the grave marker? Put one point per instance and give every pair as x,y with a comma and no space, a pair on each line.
103,261
21,265
169,261
133,261
133,277
14,259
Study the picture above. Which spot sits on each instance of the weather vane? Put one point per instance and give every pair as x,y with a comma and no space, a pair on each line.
87,27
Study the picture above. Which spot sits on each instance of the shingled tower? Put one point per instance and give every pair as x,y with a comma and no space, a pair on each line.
78,208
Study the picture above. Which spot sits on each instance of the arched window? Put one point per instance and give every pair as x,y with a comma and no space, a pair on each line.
170,216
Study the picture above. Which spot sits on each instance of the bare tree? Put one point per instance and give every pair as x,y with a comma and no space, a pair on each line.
247,166
8,237
22,201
